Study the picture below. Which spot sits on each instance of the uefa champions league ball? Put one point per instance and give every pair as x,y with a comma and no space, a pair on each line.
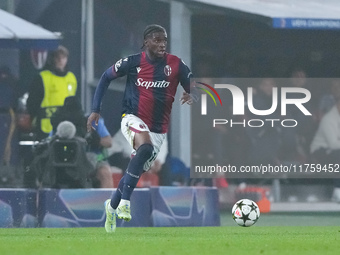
245,212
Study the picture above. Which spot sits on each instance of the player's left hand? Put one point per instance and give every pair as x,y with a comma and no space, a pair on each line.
186,98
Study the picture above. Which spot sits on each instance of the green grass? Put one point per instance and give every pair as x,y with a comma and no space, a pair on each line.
189,240
290,219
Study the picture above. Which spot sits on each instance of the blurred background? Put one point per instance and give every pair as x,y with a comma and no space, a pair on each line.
239,39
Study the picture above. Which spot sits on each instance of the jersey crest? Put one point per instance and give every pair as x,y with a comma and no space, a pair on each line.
167,70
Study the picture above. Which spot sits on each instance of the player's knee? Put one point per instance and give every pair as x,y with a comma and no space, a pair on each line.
145,150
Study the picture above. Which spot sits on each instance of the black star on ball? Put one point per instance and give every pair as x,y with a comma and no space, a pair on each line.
240,204
253,207
245,218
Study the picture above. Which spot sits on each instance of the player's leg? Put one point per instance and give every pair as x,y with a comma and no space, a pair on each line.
111,207
117,196
144,151
130,126
138,136
130,179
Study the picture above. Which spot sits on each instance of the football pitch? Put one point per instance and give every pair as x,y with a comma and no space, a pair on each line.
257,239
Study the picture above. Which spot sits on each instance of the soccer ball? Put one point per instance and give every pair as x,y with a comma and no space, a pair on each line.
245,212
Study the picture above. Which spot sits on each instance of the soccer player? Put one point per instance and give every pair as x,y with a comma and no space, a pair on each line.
152,80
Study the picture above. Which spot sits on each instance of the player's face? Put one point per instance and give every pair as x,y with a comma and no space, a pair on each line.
156,44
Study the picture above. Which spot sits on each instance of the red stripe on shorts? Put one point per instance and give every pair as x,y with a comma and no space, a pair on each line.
134,130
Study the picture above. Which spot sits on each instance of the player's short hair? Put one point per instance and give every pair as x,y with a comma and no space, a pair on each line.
153,28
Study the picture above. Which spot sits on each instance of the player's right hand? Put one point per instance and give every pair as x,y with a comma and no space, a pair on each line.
186,98
94,117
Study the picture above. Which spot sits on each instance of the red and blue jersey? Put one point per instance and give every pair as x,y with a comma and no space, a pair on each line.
150,87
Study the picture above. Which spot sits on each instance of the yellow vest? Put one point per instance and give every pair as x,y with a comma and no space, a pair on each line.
56,89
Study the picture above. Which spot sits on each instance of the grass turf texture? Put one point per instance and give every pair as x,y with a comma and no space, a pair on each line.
176,240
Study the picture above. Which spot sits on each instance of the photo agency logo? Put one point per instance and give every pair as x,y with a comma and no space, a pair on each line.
204,97
281,99
262,127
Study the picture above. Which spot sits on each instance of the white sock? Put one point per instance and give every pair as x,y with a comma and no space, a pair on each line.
124,202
